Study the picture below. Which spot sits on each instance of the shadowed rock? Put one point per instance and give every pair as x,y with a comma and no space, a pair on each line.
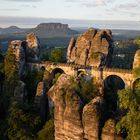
93,118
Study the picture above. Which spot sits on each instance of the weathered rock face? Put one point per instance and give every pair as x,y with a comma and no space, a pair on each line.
25,51
109,131
20,55
67,110
33,47
93,114
76,121
21,91
136,62
40,87
93,48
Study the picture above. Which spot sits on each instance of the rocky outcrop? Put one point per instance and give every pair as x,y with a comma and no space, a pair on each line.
25,51
136,62
93,118
40,87
20,92
33,47
109,131
75,120
92,48
67,110
17,47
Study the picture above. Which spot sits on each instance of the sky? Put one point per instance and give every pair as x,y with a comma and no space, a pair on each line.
68,10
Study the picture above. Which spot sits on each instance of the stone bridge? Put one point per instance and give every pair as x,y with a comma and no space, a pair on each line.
89,71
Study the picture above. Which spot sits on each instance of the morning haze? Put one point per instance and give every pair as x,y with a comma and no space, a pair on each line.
69,70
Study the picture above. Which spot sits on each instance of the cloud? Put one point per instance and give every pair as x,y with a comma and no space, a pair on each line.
90,3
127,6
24,0
10,9
28,6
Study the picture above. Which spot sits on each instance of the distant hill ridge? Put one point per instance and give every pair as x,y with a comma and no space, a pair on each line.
11,29
42,30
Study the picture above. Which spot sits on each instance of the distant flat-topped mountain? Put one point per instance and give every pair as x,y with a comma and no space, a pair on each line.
43,30
53,29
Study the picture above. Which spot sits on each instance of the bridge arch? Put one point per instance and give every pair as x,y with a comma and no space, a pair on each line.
81,72
115,81
42,68
56,72
112,84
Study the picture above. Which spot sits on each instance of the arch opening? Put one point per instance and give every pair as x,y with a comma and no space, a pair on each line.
81,73
112,84
42,68
55,74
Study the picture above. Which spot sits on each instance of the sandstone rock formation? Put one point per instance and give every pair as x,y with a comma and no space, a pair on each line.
93,114
67,110
33,47
20,91
19,51
92,48
75,120
136,62
40,87
109,131
25,51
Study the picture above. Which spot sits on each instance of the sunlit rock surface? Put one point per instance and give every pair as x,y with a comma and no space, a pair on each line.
93,48
136,62
67,110
33,47
75,120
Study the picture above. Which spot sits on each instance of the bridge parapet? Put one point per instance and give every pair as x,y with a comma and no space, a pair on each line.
96,72
118,70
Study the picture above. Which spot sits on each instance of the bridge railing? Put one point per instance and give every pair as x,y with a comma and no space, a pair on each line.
84,67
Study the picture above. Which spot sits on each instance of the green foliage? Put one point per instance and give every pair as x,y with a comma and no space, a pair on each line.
55,78
87,89
95,55
11,72
57,55
23,122
47,133
33,77
136,72
4,104
123,54
137,41
130,100
1,67
1,57
45,56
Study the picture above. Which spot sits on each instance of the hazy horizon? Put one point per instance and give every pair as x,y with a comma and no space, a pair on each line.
113,14
26,22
